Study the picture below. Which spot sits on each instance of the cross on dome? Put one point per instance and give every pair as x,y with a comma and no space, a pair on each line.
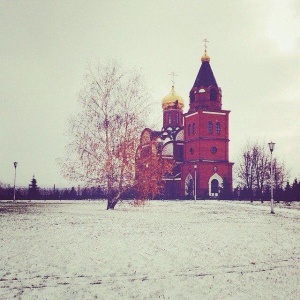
205,42
173,77
205,57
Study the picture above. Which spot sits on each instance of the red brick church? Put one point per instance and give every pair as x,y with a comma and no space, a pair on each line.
198,140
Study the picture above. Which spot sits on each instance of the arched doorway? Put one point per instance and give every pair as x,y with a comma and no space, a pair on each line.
214,184
189,186
214,187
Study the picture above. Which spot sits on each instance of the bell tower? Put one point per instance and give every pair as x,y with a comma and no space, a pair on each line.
206,136
205,93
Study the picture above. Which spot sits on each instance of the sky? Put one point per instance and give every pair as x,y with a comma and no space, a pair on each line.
46,47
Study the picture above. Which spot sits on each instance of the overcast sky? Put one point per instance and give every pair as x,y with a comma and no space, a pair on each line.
45,47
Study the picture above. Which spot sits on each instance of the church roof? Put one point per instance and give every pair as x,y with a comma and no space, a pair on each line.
205,76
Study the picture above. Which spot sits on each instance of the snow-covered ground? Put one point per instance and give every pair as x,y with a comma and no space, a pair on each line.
164,250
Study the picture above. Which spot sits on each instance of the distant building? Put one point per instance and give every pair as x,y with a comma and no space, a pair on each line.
198,141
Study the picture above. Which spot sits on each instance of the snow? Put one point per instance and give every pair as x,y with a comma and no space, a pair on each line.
163,250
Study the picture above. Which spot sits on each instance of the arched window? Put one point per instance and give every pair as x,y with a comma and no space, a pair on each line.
218,128
193,128
210,127
189,129
215,186
177,118
213,95
169,118
189,186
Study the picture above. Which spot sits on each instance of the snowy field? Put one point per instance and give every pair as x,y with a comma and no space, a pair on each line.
164,250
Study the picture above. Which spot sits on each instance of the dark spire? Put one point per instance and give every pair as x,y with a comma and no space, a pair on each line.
205,93
205,76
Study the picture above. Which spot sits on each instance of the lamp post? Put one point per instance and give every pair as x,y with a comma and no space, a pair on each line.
238,192
272,146
15,165
195,168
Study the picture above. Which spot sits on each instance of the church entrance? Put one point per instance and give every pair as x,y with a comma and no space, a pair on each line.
189,186
214,184
214,187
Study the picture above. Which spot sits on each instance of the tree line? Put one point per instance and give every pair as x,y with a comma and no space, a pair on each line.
33,192
6,193
253,176
287,193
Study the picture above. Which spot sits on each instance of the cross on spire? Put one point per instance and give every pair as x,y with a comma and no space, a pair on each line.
173,77
205,42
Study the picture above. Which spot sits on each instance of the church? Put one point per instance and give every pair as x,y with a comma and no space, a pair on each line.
196,141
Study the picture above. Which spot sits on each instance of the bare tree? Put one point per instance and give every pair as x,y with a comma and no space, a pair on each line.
281,174
261,167
151,171
253,170
105,133
249,171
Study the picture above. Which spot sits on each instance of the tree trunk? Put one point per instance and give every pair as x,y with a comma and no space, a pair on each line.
112,202
108,204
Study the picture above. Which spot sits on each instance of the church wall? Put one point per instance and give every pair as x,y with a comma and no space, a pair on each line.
204,171
204,140
207,146
191,121
172,189
172,118
213,150
191,137
214,118
191,150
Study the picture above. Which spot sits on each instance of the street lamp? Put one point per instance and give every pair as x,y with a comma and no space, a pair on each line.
238,192
195,168
271,146
15,165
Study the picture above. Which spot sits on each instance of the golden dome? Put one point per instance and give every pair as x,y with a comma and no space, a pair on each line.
205,57
171,98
